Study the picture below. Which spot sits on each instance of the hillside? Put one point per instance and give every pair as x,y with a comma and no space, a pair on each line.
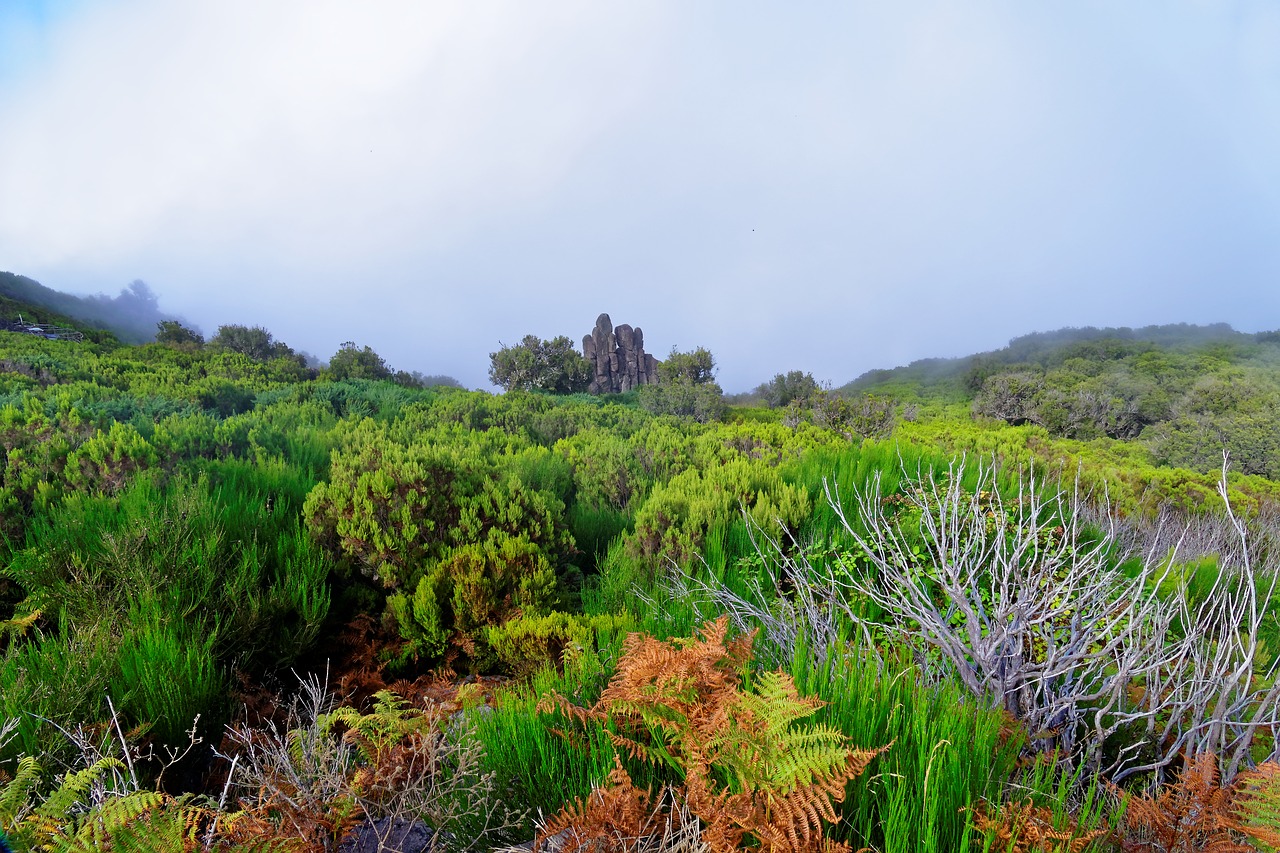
130,316
1184,392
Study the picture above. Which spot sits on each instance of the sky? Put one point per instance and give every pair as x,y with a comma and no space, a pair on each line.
827,187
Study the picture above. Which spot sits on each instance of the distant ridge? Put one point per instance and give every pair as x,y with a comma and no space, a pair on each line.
131,316
958,378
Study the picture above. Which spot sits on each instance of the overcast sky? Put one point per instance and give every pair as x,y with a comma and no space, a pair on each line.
830,187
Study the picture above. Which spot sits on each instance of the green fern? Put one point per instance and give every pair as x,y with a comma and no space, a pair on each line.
391,720
42,826
15,799
763,750
101,827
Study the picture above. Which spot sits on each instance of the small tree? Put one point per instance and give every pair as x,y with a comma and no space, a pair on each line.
686,387
352,362
533,364
782,389
696,367
173,333
252,341
863,417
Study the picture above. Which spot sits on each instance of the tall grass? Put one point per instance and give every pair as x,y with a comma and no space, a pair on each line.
168,678
594,530
948,752
54,682
163,588
535,762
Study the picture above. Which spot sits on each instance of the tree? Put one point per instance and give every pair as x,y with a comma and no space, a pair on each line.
252,341
856,419
175,334
554,366
696,367
352,362
686,387
784,388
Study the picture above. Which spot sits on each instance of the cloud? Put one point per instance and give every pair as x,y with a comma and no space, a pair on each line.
842,187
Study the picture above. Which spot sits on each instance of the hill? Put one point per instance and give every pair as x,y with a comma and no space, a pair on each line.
1185,392
221,547
130,316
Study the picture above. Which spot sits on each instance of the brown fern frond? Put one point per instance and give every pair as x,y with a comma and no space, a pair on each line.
620,817
1255,806
1192,814
683,703
1026,828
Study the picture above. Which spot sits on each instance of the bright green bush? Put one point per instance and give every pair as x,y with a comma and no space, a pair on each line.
107,460
672,523
529,643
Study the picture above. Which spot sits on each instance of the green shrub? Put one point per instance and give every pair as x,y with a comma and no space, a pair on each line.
529,643
673,522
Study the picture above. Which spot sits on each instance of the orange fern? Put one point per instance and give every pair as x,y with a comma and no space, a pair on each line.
682,704
1026,828
1193,815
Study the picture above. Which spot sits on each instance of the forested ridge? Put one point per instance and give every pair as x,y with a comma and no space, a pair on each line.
1017,601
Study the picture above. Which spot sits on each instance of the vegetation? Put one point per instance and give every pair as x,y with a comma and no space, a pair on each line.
537,365
686,387
973,605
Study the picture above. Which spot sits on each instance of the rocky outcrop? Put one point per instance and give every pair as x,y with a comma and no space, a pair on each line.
618,358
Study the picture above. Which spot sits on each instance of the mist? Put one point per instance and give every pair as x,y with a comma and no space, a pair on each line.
840,188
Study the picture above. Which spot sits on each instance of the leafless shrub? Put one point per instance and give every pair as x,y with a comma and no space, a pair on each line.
310,782
1028,606
812,615
1028,601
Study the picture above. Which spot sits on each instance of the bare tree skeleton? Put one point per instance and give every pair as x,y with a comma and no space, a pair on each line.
1024,601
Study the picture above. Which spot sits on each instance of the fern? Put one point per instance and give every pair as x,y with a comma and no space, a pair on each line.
392,720
140,821
682,704
1024,828
41,826
1255,805
15,798
1193,814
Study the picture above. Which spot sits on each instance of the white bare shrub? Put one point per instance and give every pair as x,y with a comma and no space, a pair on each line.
1036,611
1045,605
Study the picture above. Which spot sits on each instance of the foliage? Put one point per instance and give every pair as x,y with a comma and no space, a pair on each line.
253,342
746,771
173,333
857,419
786,388
533,364
331,769
461,545
144,591
1195,813
177,519
529,643
674,521
352,362
686,388
1024,827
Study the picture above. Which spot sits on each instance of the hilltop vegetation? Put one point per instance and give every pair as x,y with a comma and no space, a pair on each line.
1183,393
130,316
341,596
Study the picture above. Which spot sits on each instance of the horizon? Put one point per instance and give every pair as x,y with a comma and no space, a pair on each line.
839,189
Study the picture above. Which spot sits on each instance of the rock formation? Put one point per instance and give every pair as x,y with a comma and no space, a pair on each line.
618,357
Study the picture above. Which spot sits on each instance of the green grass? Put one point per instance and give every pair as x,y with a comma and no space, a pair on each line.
948,752
536,764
